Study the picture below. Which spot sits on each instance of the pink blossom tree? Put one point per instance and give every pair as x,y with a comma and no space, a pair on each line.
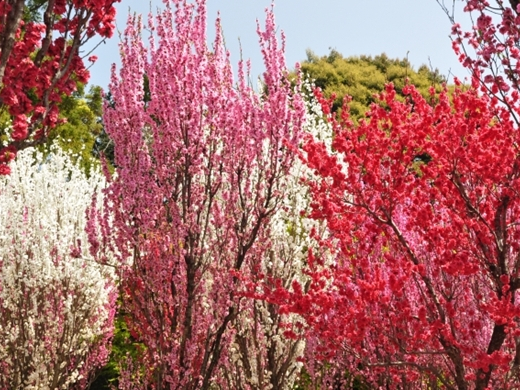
201,170
57,302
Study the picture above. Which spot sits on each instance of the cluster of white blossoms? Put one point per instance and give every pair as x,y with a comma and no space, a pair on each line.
291,226
56,301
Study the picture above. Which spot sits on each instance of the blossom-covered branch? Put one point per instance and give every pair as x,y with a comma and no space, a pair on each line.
40,62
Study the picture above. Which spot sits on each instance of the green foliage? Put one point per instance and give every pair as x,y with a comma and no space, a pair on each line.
80,129
104,146
5,124
77,135
364,76
33,10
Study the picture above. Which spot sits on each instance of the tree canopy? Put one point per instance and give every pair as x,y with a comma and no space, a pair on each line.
362,77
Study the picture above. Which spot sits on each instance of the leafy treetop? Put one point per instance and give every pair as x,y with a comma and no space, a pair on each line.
364,76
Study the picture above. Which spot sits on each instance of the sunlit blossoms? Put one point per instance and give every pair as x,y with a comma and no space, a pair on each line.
202,162
425,280
56,301
40,62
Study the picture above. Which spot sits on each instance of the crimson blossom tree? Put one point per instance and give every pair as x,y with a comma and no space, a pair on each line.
41,61
424,223
201,165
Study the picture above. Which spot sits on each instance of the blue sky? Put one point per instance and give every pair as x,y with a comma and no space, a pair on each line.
415,28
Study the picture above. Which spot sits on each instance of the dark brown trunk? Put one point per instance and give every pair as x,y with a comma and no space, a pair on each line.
495,344
8,35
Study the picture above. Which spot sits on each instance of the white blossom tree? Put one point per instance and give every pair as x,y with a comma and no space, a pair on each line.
57,302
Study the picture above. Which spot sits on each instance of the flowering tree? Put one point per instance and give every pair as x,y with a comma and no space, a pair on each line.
268,345
39,62
202,162
424,224
424,285
56,302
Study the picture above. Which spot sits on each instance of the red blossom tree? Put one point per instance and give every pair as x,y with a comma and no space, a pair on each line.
422,204
424,224
40,62
201,165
